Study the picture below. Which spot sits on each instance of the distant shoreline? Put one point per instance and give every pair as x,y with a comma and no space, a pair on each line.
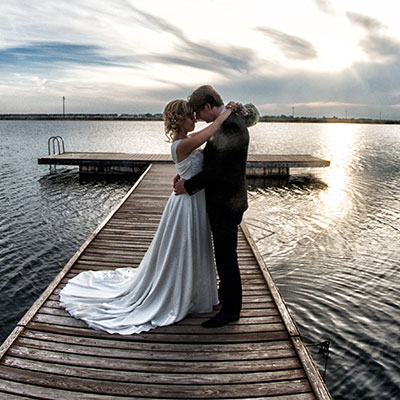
158,117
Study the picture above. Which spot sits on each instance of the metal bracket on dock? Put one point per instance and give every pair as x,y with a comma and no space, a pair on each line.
324,350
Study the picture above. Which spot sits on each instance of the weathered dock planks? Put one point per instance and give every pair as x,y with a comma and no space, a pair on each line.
114,163
51,355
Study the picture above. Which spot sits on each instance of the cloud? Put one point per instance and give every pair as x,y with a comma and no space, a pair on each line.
202,55
366,22
151,22
376,44
209,57
367,85
128,56
325,6
380,46
45,56
292,46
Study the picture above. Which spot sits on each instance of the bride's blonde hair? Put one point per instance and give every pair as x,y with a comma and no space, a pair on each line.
175,113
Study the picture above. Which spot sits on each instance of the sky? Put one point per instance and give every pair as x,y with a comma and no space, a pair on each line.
310,58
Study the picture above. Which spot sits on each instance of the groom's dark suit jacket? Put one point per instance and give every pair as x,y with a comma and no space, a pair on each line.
224,170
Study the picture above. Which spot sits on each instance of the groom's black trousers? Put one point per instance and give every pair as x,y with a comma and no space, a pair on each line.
224,228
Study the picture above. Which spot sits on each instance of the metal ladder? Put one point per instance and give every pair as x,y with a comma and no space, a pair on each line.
55,142
60,145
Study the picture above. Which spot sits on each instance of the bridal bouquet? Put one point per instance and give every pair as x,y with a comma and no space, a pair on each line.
252,116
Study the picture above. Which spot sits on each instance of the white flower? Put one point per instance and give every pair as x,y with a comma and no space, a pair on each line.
252,116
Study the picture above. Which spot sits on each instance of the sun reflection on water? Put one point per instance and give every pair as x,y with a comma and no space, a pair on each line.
340,148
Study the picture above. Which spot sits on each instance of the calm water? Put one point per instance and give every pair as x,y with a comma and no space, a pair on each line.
330,236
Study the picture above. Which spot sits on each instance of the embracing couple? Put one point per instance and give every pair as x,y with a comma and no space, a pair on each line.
177,274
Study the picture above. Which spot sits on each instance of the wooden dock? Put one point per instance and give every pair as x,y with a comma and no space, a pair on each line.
123,163
51,355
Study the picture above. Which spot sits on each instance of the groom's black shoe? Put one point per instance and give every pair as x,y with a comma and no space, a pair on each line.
221,319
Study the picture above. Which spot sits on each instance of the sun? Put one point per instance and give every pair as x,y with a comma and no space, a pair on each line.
336,53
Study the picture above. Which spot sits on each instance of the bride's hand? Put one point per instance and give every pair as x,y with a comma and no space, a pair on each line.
233,105
237,108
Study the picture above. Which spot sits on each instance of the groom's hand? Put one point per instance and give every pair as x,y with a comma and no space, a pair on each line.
179,187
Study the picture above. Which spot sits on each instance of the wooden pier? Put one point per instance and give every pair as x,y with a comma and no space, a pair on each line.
258,165
51,355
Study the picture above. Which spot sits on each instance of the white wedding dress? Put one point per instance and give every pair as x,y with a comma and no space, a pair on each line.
176,276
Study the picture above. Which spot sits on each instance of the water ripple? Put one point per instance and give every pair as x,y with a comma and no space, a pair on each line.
329,236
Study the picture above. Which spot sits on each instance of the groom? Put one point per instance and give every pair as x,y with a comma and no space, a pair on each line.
224,180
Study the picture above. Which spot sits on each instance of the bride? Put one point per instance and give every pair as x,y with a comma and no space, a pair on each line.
177,274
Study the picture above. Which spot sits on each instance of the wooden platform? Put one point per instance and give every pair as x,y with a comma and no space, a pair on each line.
257,164
51,355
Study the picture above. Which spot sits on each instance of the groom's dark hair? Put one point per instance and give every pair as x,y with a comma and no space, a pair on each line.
203,95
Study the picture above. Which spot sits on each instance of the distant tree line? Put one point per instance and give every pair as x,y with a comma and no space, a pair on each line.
91,117
285,118
158,117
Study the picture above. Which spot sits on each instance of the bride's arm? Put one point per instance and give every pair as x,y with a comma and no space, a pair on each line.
185,147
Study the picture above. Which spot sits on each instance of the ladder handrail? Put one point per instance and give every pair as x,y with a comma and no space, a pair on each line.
60,144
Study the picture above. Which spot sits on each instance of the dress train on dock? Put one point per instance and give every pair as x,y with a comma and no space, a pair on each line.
176,276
